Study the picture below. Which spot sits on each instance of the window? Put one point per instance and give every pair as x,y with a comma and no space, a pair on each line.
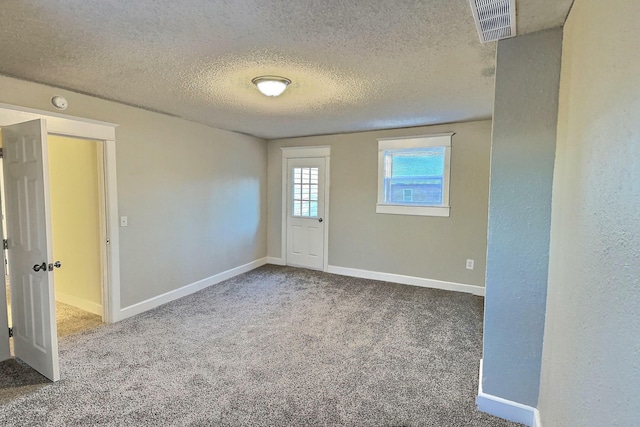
413,175
305,192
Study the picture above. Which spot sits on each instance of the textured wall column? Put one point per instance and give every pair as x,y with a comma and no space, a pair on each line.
522,161
591,363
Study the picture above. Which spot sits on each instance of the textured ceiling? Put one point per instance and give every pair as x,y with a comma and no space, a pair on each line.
355,64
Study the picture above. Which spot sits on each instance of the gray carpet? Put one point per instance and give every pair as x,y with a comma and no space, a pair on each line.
275,346
18,379
71,320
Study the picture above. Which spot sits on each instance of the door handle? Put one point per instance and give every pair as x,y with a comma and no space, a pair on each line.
39,267
55,264
319,219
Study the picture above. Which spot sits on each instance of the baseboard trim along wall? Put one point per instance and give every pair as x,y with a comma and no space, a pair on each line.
275,261
407,280
506,409
154,302
81,303
536,419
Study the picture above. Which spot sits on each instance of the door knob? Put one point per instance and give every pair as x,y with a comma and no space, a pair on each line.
55,264
319,219
39,267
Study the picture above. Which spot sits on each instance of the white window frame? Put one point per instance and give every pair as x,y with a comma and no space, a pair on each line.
421,141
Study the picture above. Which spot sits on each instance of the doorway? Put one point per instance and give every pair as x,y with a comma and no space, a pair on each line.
305,210
30,230
76,194
75,171
76,197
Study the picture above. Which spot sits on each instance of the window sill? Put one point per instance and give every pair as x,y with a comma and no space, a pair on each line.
441,211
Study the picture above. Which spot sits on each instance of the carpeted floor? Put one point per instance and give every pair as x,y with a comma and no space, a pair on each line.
71,320
18,379
275,346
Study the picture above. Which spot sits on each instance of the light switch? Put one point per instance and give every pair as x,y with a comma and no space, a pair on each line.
124,221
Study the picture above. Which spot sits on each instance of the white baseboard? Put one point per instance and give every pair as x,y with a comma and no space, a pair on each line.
536,419
506,409
81,303
275,261
159,300
407,280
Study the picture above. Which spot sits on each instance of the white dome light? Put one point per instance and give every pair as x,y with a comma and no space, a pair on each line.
271,85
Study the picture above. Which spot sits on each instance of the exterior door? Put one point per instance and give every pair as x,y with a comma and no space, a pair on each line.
26,178
305,212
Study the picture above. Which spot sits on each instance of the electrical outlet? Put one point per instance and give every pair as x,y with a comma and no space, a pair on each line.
124,221
469,264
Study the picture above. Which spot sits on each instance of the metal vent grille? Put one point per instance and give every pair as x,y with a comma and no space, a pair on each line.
495,19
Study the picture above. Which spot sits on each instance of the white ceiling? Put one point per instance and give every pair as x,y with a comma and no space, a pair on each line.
355,64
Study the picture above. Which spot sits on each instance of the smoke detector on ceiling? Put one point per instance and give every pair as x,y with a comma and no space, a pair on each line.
495,19
59,102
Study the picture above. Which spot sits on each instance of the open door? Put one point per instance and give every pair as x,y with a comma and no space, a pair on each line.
5,349
30,252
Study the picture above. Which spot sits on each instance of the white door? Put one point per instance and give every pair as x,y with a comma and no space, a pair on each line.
305,212
26,178
5,349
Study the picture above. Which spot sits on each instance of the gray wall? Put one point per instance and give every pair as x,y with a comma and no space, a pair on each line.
428,247
522,159
591,359
195,196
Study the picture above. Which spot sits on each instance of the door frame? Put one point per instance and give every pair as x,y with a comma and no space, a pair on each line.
305,153
105,133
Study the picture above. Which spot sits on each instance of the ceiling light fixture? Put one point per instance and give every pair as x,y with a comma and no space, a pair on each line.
271,85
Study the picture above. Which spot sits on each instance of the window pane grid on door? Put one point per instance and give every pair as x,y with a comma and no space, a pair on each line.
305,192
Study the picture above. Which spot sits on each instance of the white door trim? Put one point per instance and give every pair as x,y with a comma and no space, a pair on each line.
78,127
301,153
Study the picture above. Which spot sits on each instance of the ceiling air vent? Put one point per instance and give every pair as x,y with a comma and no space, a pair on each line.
495,19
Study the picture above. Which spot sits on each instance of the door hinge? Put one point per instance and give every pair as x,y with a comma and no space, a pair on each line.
10,332
5,243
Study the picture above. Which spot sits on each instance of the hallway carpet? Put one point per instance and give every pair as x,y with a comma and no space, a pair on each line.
273,347
71,320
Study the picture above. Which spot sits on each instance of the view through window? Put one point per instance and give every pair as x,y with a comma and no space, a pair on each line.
305,192
413,175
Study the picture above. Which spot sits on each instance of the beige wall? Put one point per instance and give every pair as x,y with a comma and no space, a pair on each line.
591,356
523,150
75,217
195,196
427,247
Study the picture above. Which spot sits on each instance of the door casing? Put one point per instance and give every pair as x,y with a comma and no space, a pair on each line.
301,153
